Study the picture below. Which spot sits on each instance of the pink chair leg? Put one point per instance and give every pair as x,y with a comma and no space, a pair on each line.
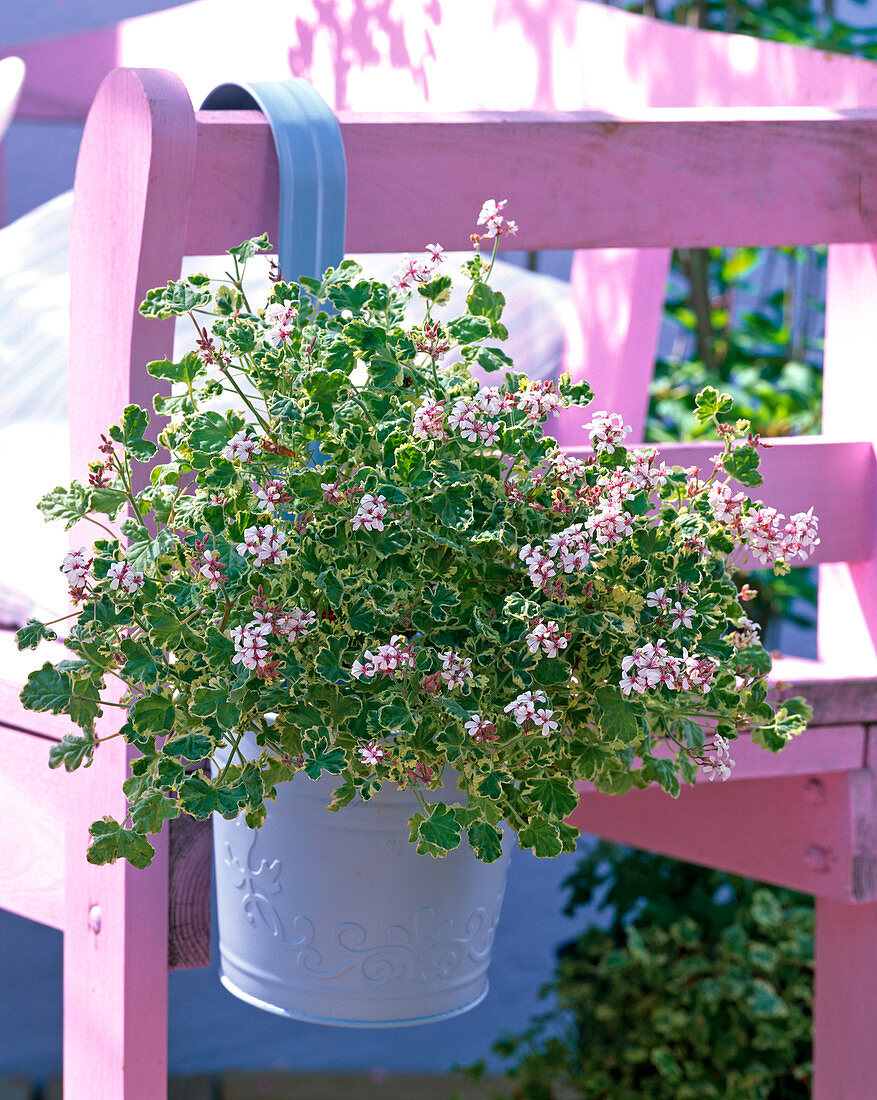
115,953
844,1051
618,294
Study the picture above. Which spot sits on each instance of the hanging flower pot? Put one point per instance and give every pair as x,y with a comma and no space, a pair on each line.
334,917
445,624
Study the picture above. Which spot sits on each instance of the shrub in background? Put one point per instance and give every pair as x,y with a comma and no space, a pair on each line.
696,984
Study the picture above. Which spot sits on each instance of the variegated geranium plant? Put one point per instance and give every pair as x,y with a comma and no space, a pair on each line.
391,574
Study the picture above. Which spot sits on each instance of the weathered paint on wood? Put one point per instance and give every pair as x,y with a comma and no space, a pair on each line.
834,478
190,865
778,176
844,1051
132,189
32,826
816,833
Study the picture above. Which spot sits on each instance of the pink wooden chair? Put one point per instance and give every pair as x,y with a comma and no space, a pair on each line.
156,182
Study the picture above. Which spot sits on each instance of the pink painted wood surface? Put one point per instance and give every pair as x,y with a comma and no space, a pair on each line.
619,296
630,62
64,74
567,55
32,827
132,190
838,479
780,176
848,594
844,1051
133,181
814,833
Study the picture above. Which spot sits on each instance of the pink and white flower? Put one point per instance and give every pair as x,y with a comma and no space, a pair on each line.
386,661
646,472
481,729
371,753
544,722
280,317
251,646
370,515
726,505
77,569
492,217
658,599
607,431
610,523
273,492
719,762
746,634
568,468
539,565
121,575
456,669
540,400
523,708
681,617
420,270
698,673
265,544
331,492
548,637
571,548
241,448
429,419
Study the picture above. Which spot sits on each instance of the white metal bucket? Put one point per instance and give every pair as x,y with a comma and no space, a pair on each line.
334,918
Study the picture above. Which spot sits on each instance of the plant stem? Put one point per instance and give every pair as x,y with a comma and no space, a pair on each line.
246,400
103,527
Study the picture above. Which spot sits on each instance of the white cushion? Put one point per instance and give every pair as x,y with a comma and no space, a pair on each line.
34,290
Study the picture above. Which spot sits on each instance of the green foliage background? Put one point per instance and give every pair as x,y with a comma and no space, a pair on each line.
694,985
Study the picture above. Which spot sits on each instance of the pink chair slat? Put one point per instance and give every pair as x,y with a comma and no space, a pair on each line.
848,593
579,183
685,67
31,829
844,1051
132,193
126,236
64,74
817,837
835,478
618,294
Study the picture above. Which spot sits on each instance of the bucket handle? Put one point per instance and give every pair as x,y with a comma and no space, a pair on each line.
313,170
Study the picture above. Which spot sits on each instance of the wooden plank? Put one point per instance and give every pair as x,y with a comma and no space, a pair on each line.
32,829
837,478
813,833
845,989
848,594
573,180
819,749
129,214
281,1086
190,869
835,701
